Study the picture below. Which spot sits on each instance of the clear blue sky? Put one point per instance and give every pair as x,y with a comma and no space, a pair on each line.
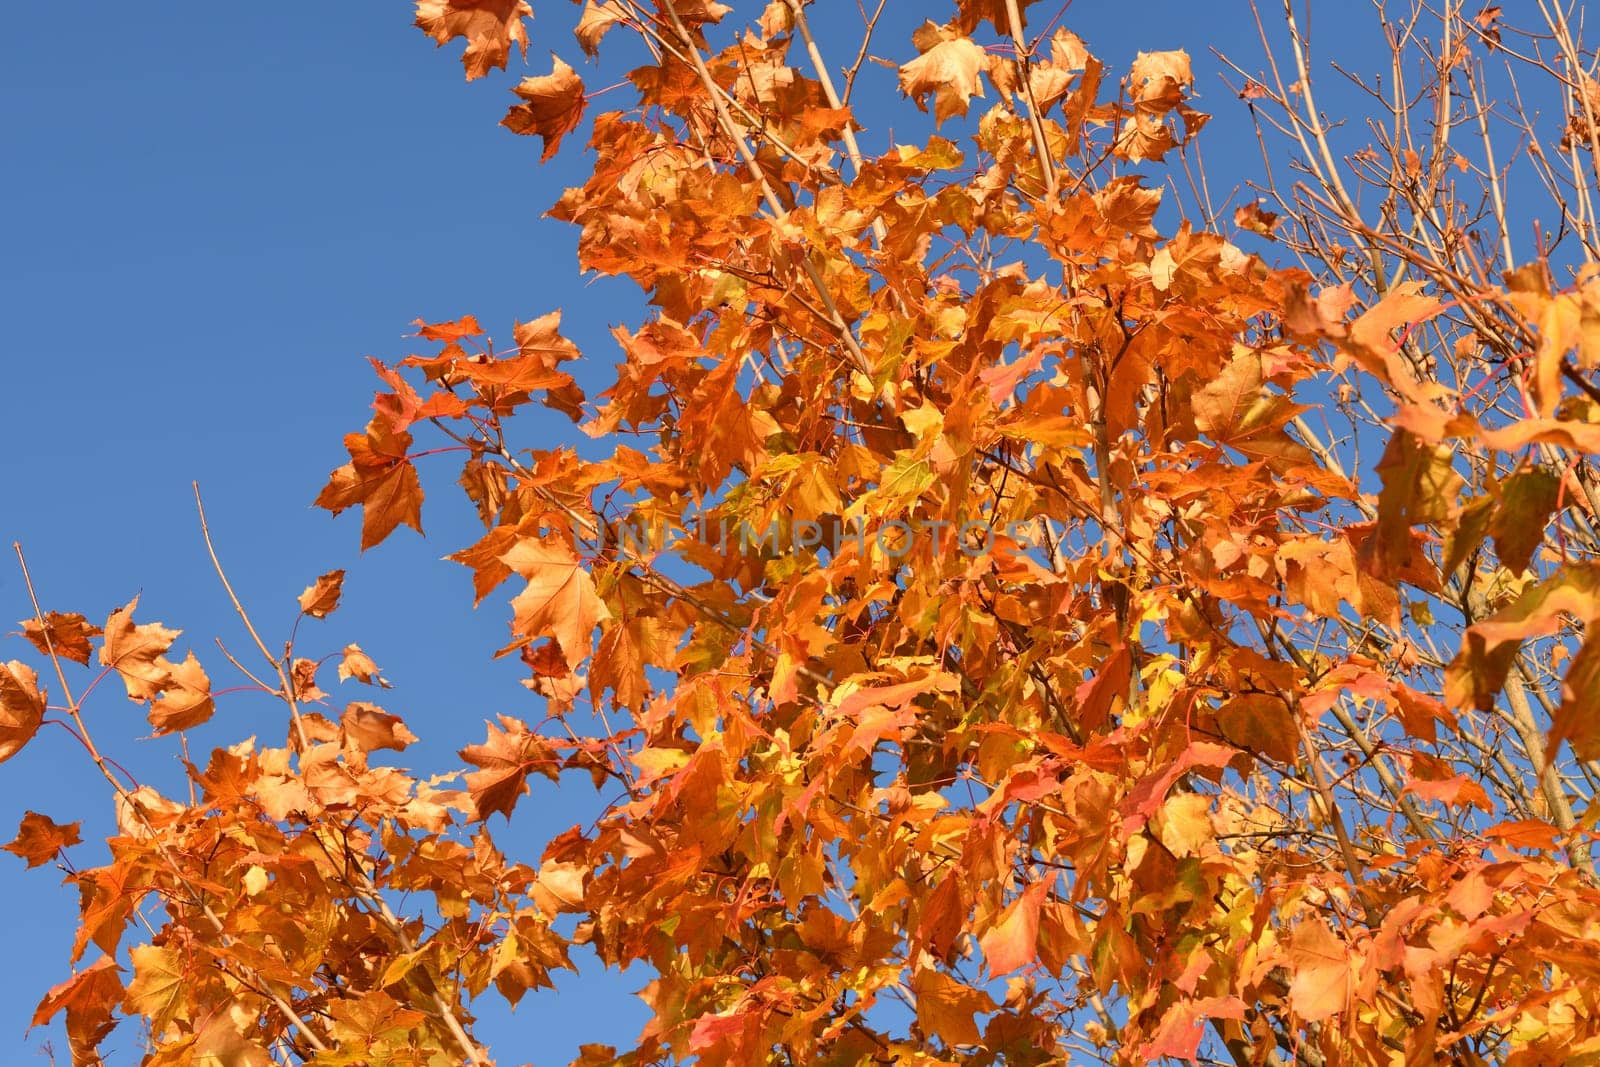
212,215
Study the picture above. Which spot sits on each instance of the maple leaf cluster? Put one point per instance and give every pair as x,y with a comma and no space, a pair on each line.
1165,755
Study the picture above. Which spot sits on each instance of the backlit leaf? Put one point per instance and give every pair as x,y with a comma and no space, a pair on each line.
560,598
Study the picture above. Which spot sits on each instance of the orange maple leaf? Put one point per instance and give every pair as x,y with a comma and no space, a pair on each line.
491,27
39,838
137,652
322,596
381,479
67,634
88,998
505,759
1320,963
370,728
560,600
553,105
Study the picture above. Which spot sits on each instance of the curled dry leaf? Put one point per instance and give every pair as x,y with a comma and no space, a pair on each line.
67,634
144,812
322,596
598,17
185,700
21,707
1158,85
354,663
552,105
303,680
369,728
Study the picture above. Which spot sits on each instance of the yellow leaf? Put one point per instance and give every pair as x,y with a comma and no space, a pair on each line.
256,879
158,987
946,1007
950,70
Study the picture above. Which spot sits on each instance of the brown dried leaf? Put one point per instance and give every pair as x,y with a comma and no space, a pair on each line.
21,707
67,634
303,680
356,664
370,728
322,596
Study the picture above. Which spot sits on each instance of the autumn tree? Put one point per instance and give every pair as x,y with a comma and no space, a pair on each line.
1029,606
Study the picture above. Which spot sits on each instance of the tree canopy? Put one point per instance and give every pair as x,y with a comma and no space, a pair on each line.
1011,603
